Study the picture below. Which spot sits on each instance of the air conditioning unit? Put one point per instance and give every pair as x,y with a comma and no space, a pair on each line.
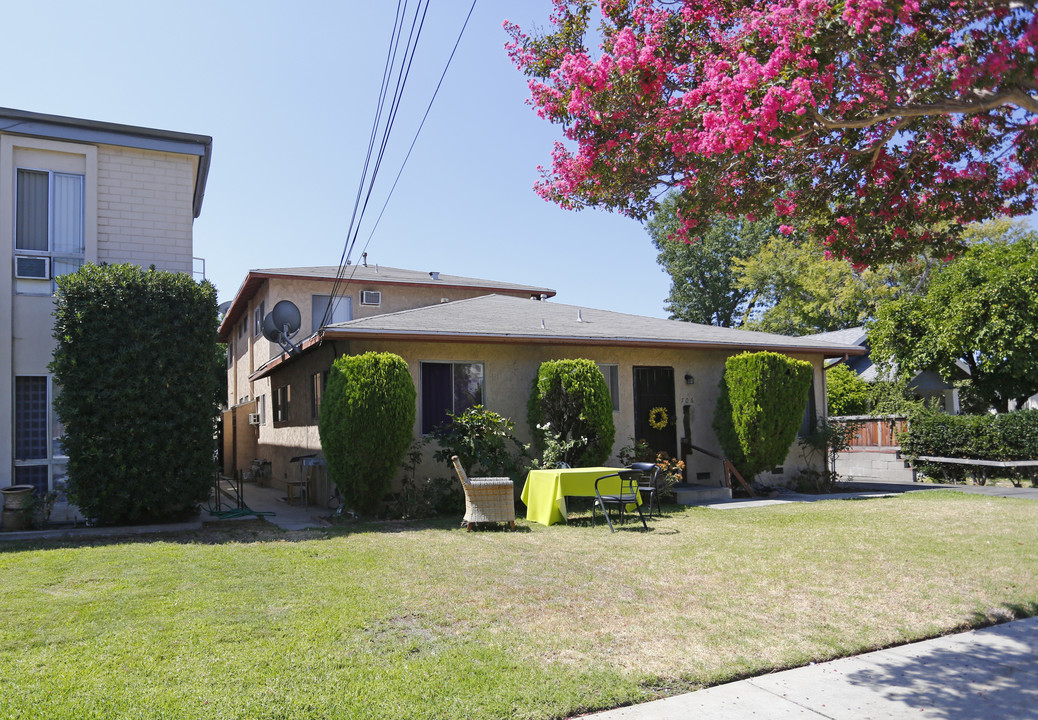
255,419
32,267
370,297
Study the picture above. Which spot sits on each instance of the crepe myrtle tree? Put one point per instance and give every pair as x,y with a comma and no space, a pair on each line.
879,127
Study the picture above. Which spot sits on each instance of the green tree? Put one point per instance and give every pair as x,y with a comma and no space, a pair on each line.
703,279
846,393
366,425
760,408
794,289
570,399
981,310
135,361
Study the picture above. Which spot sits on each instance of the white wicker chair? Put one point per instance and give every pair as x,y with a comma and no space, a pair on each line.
486,499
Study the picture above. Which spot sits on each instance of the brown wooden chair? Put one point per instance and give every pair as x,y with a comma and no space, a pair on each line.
486,499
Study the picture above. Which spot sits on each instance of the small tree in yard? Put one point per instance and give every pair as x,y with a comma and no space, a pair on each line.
762,401
570,398
134,361
366,425
846,393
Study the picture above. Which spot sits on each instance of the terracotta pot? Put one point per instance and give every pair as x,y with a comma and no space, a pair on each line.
17,497
15,519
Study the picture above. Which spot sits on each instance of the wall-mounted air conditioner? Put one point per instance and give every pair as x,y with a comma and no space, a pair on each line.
254,418
370,297
32,267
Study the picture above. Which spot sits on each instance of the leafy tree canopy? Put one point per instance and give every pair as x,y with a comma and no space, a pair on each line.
793,289
981,310
862,123
703,280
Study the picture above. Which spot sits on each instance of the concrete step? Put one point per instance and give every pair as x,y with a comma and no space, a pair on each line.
697,494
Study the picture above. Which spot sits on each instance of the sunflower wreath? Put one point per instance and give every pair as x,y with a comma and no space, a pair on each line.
658,418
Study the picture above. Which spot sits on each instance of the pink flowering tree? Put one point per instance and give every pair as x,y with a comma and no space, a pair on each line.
877,126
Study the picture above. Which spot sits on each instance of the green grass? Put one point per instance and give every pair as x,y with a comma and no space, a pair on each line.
424,620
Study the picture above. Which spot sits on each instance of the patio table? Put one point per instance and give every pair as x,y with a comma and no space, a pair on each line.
545,491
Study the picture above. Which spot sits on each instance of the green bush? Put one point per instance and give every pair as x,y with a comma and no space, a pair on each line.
1007,436
366,425
139,393
760,408
483,440
571,397
846,393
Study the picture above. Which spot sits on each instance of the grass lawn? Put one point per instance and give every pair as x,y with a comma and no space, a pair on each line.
424,620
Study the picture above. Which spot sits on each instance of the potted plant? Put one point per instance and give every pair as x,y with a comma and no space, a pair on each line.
18,504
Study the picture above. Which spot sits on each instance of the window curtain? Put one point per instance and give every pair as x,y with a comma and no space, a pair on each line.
31,211
437,394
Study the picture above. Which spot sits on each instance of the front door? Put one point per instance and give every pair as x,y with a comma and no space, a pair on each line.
654,420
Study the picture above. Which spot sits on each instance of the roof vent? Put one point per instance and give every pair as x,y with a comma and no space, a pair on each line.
579,317
364,259
434,275
542,324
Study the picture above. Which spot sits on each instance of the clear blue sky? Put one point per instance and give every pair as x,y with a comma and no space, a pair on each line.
288,91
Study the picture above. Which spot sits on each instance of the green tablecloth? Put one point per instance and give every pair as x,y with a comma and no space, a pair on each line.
545,491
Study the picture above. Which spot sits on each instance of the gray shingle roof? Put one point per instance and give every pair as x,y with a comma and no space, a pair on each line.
502,318
849,336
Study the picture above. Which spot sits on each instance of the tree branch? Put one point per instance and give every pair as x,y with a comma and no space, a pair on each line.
1016,96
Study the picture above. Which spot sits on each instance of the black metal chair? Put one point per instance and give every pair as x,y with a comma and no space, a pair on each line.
626,495
649,484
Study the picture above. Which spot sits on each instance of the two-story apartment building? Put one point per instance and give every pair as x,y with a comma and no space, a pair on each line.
74,191
256,423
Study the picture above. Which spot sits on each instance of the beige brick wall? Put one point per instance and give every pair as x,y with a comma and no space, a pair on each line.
144,208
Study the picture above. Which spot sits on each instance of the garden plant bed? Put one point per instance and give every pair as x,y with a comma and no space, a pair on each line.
425,620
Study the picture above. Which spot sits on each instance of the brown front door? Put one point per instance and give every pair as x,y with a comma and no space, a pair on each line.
653,389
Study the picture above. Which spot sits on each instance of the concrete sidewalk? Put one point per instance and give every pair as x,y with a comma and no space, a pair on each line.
978,675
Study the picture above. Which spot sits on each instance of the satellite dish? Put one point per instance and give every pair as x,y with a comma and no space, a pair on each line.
281,324
224,307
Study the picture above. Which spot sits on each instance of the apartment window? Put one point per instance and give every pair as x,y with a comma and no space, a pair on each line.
50,219
611,373
230,353
449,388
257,321
282,397
807,423
318,382
39,458
241,326
342,311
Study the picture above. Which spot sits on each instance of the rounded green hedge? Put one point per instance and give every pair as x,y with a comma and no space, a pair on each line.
366,425
572,398
760,408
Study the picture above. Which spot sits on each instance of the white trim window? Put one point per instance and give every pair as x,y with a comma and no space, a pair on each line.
341,311
50,219
39,457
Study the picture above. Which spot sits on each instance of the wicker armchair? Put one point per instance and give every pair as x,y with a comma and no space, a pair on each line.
486,499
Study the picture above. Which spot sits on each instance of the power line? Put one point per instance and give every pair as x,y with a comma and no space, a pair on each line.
402,75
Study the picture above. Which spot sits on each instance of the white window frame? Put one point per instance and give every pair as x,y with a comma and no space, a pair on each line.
343,306
55,256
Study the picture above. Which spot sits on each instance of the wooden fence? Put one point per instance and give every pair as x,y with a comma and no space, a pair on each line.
875,431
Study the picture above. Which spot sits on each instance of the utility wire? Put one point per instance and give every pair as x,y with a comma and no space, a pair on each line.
354,229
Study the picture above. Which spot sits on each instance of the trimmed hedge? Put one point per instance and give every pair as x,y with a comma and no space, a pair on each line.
137,366
1007,436
366,425
760,408
572,397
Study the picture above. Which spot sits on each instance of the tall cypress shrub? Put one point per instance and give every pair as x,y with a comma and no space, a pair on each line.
572,398
138,392
762,402
366,425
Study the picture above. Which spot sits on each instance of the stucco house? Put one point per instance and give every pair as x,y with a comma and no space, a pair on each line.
487,348
74,191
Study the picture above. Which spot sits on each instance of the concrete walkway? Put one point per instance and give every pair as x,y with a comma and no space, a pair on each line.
273,500
873,485
979,675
